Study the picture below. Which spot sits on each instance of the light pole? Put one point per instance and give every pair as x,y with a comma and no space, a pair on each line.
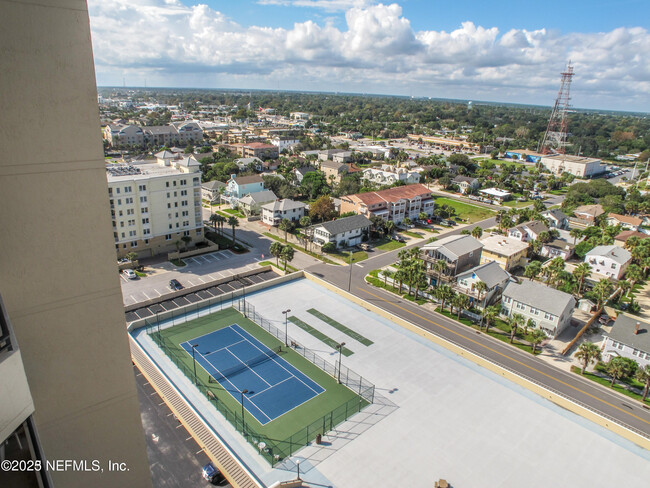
286,327
350,276
243,422
298,467
340,348
194,346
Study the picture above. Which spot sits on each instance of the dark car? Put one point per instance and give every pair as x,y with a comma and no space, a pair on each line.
210,473
175,285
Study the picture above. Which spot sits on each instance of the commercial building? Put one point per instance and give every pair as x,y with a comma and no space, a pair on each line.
496,194
541,306
629,338
393,204
60,285
154,204
579,166
509,253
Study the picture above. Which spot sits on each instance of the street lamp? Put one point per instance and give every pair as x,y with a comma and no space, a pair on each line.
243,422
340,348
350,276
194,346
286,327
298,466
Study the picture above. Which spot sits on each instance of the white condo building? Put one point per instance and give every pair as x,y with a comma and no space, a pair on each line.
155,204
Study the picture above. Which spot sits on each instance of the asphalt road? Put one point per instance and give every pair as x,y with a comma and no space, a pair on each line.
627,412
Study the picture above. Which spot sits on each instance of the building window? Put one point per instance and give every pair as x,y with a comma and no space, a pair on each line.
134,244
167,186
145,221
144,210
130,211
142,187
613,265
143,199
168,237
117,190
128,200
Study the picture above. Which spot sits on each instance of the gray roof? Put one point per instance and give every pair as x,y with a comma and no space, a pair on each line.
623,331
556,213
248,160
165,155
461,178
559,244
489,273
259,197
247,180
345,224
286,204
540,296
333,165
305,169
455,246
189,161
534,225
213,185
618,254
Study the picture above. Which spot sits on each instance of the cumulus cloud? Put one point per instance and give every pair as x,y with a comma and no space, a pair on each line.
170,43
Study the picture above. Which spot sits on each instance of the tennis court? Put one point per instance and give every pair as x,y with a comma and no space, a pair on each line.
238,362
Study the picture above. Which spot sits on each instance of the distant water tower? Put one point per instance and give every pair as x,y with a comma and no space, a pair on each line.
469,105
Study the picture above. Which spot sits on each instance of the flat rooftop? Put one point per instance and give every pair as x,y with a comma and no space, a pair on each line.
502,245
147,169
570,158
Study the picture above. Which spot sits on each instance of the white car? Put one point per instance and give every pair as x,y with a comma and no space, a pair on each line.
130,274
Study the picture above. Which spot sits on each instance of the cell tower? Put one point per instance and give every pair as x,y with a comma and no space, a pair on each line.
555,137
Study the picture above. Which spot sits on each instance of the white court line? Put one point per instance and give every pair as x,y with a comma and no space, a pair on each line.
246,365
271,386
225,347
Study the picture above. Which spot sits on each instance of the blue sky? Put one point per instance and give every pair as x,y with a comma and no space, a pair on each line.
510,51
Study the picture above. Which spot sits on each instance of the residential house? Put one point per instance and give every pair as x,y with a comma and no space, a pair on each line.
286,142
212,190
254,150
393,204
528,231
301,172
629,338
389,175
557,248
274,212
333,170
251,204
509,253
459,252
556,219
466,184
547,308
490,273
327,154
237,187
342,157
627,222
621,238
245,164
585,216
496,195
610,261
348,231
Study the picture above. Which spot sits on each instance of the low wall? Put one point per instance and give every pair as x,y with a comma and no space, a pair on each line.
511,375
211,247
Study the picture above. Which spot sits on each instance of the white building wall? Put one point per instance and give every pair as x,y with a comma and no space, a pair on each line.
614,349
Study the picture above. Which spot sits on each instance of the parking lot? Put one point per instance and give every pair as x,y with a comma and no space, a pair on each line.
198,270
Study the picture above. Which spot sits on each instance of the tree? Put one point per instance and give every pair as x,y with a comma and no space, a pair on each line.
214,218
634,273
581,272
537,337
186,240
477,232
423,216
407,221
575,233
617,368
233,222
533,270
439,267
444,293
480,287
313,184
131,256
276,251
286,225
287,255
554,268
490,314
602,289
386,273
178,243
461,302
588,353
515,320
322,209
643,375
389,226
305,221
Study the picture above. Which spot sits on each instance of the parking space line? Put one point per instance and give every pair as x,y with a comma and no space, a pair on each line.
148,297
191,284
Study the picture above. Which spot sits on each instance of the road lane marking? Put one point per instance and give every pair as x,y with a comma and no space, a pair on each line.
509,357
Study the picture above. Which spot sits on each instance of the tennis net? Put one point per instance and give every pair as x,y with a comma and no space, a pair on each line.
255,361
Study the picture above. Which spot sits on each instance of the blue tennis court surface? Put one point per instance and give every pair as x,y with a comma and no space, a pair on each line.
240,362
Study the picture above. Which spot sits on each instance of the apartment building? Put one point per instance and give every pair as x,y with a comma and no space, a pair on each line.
255,150
154,204
389,175
392,204
177,133
60,286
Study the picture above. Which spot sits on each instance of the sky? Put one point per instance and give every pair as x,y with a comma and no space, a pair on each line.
500,51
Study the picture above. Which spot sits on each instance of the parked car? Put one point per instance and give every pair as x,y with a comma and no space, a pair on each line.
210,473
365,247
175,285
130,274
399,239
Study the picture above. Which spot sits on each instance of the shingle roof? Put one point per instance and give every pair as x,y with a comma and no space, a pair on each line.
286,204
165,155
623,331
489,273
540,296
626,219
555,212
623,236
592,210
534,225
455,246
346,224
333,165
467,179
247,180
616,253
263,196
213,185
393,194
305,169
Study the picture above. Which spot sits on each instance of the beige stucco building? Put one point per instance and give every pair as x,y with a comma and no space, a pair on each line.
59,283
506,251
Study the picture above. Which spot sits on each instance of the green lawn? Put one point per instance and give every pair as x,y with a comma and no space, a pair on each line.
292,424
465,211
345,256
298,248
414,235
516,204
604,381
280,267
179,263
388,244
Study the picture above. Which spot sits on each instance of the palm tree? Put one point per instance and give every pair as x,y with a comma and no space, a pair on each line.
389,226
186,240
477,232
634,273
537,337
602,289
286,225
439,266
643,375
575,233
220,221
276,251
287,254
588,353
481,288
490,314
461,302
131,256
581,273
625,287
178,243
214,218
305,221
515,321
444,293
387,274
555,267
617,368
533,270
233,222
